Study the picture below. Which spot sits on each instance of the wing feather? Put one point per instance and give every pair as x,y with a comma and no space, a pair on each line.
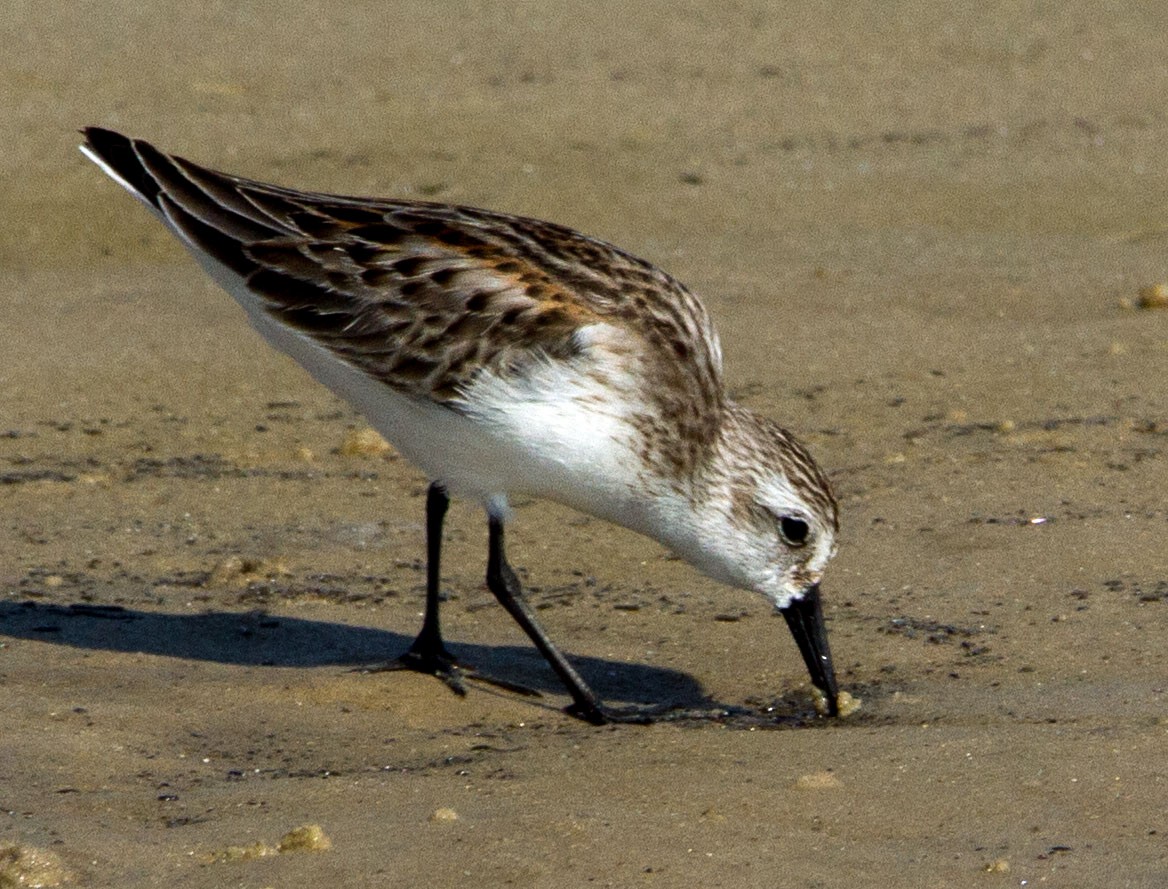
425,296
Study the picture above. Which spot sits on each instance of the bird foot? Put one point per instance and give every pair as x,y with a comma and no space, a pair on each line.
437,661
433,663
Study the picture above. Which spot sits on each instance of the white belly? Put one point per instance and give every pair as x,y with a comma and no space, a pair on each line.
552,434
530,437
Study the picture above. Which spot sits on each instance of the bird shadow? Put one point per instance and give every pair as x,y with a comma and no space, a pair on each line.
260,639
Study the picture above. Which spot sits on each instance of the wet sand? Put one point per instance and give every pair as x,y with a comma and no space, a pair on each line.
922,236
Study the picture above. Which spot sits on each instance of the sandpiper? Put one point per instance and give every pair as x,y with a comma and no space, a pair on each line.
507,356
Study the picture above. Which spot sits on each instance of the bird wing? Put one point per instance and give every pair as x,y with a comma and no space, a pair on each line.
421,296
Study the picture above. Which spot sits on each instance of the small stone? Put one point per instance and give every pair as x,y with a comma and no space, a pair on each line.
364,443
306,838
847,704
1154,296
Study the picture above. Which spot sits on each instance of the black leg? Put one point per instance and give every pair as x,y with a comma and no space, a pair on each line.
429,641
505,585
428,653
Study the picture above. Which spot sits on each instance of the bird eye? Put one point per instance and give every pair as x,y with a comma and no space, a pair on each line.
794,530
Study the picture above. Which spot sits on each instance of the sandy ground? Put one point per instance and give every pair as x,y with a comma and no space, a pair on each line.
921,232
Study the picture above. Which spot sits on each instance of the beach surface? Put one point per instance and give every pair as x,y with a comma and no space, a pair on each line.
923,232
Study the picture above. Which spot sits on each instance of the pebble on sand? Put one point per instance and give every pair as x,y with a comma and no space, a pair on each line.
845,703
364,443
1154,296
306,838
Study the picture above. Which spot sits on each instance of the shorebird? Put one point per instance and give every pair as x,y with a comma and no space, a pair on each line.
507,356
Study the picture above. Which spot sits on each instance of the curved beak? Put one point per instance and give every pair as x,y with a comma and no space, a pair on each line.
805,618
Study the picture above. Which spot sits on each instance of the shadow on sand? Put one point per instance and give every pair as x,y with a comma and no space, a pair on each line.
261,639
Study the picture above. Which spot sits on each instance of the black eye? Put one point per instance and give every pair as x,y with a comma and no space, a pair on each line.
794,530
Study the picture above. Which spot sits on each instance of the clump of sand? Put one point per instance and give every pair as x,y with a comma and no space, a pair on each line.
30,868
306,838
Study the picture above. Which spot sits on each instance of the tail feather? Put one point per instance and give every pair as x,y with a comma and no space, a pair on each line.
116,155
195,200
161,181
231,193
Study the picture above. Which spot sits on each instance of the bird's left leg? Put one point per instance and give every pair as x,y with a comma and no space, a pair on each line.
503,582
